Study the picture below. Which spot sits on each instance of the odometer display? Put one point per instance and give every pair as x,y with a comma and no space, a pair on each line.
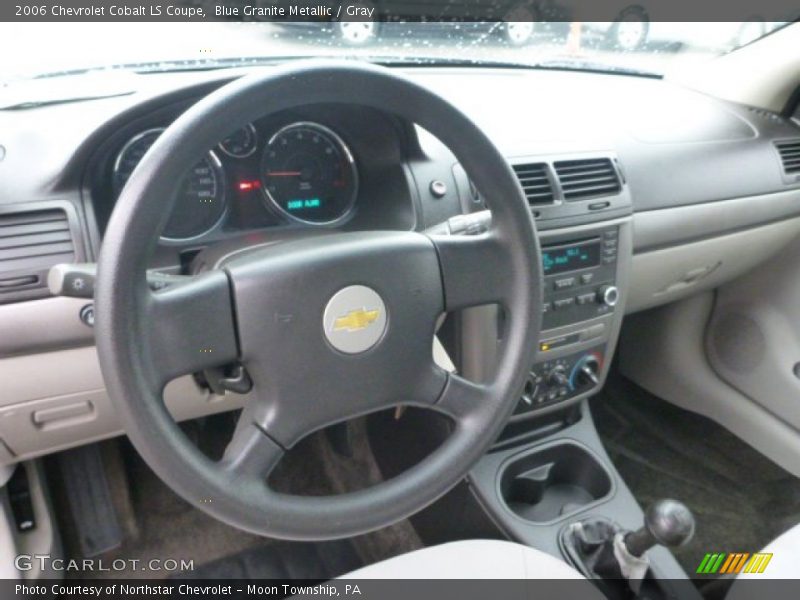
309,174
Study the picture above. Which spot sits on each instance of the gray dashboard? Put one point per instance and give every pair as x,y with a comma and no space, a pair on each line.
675,147
686,178
667,146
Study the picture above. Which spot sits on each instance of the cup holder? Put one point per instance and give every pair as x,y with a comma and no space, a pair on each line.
553,482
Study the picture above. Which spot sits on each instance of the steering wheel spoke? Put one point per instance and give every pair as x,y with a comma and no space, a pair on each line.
475,270
251,451
461,399
190,327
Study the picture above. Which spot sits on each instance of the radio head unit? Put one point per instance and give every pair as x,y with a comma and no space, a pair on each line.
580,278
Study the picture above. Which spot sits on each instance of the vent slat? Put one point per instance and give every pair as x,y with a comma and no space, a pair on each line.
35,250
35,239
7,231
28,217
586,173
592,190
587,177
576,183
535,183
580,166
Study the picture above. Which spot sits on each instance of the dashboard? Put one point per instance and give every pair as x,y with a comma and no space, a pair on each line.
643,193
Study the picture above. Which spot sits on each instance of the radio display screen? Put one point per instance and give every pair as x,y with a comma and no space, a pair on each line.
570,257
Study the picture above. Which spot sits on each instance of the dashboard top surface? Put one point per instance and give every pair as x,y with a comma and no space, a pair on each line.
675,146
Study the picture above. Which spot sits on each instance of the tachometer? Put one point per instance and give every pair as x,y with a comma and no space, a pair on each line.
309,174
201,194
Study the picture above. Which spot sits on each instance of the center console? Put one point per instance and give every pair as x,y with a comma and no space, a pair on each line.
548,474
585,270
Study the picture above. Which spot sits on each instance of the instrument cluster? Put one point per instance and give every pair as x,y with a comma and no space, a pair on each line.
300,173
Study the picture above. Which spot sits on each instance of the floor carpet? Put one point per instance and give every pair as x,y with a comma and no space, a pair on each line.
741,500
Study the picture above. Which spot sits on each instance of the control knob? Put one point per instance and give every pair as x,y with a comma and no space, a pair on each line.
587,371
557,376
608,295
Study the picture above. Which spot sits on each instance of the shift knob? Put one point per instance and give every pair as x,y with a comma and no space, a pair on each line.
666,522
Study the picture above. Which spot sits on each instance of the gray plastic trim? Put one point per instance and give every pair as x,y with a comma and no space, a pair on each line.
66,390
42,325
656,229
753,338
663,350
618,505
672,273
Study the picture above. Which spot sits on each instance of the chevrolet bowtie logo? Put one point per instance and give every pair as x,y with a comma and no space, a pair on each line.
356,320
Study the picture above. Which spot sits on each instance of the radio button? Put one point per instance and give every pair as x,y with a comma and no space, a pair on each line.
587,298
562,284
587,278
563,303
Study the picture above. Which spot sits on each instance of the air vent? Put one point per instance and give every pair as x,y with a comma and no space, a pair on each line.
535,183
790,155
587,178
30,243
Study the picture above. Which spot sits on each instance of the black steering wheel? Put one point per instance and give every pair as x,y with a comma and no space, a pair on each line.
328,328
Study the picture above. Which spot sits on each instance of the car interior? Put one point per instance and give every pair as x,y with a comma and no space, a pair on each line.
331,317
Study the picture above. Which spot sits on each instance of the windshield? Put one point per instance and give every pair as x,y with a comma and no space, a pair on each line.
631,45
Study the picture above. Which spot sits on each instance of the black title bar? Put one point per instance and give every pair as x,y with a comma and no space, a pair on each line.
398,10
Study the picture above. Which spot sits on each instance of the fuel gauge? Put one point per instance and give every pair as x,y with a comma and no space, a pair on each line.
241,143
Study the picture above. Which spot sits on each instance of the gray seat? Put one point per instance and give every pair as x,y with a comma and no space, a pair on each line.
471,559
494,559
783,565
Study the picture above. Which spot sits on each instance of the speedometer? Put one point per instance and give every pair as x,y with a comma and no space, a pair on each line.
200,203
309,174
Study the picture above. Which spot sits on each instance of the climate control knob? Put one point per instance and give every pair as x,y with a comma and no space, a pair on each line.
608,295
588,369
557,376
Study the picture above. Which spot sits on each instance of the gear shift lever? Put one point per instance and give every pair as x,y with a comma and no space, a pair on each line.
601,549
666,522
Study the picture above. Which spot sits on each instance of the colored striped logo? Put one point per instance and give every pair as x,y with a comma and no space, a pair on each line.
734,562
